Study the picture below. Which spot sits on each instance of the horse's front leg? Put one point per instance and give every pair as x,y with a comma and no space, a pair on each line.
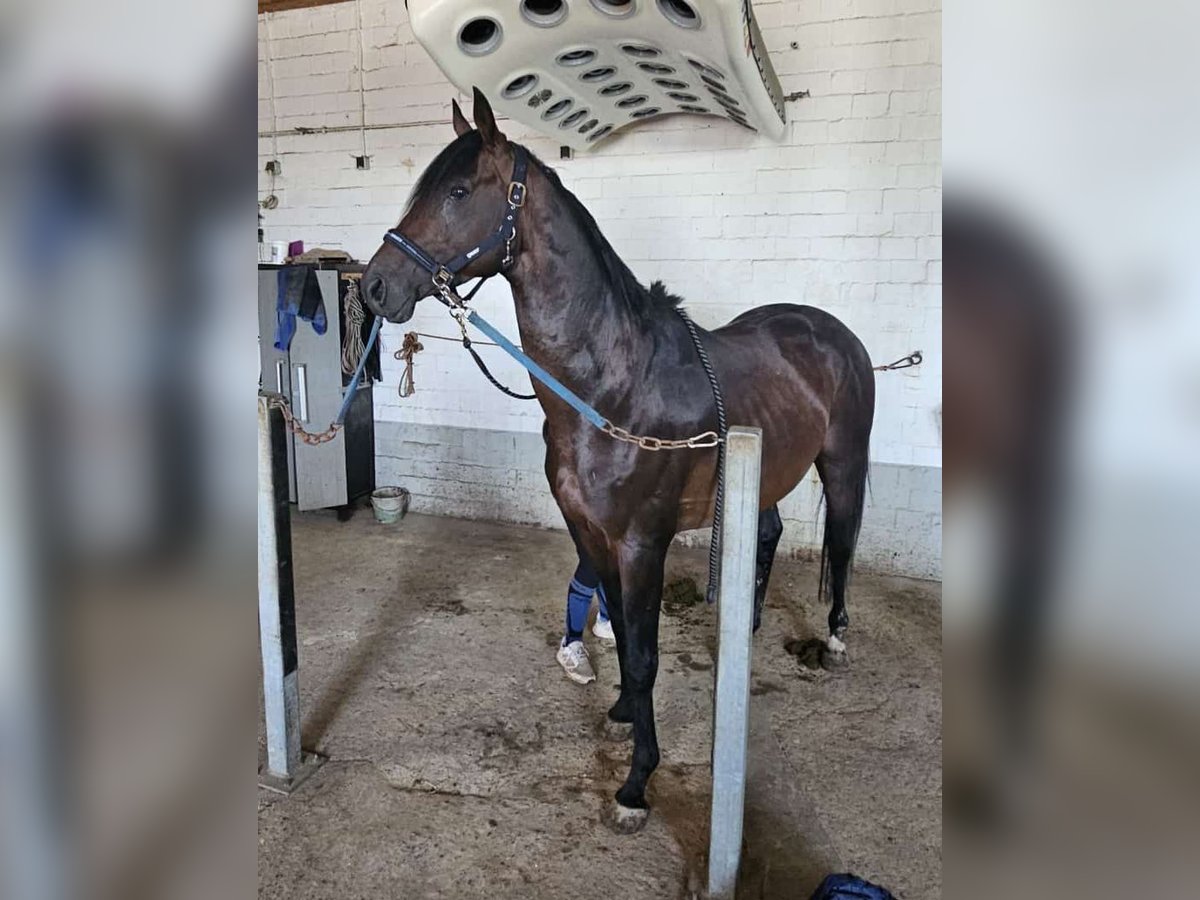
588,544
639,589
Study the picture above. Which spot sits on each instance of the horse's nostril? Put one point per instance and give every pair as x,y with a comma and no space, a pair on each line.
377,289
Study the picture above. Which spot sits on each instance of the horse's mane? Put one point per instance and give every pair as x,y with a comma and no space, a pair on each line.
636,296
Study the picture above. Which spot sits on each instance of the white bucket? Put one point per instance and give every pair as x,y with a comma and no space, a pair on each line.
390,504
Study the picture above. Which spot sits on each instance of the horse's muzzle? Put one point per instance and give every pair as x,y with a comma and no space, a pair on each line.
385,298
376,292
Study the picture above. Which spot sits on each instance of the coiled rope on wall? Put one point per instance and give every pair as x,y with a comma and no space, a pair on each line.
352,318
411,347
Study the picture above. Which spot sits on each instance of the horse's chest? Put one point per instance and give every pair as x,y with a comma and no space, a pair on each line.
606,495
584,489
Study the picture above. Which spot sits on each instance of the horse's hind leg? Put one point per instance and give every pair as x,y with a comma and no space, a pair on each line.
770,527
844,478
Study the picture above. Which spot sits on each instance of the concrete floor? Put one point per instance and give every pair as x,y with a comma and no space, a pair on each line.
463,764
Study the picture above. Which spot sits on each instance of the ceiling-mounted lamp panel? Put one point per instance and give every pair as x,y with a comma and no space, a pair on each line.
581,70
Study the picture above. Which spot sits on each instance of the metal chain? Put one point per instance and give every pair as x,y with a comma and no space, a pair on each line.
279,402
646,442
507,262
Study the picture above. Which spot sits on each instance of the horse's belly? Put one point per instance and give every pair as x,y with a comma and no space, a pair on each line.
785,459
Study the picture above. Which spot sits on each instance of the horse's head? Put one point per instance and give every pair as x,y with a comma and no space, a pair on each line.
459,200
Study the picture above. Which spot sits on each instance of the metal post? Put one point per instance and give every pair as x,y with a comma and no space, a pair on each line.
286,768
36,840
731,720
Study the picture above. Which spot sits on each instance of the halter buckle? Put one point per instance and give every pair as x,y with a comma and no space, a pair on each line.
442,278
516,194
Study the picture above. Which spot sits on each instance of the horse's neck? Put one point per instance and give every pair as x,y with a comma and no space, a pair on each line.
570,316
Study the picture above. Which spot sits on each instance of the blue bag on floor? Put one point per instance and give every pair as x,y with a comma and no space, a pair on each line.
850,887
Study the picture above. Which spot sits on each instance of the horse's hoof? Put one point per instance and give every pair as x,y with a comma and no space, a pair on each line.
626,820
616,731
833,654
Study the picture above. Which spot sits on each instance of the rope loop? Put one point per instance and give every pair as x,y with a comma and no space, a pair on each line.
410,348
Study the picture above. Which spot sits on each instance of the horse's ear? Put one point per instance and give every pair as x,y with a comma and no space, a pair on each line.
461,125
485,121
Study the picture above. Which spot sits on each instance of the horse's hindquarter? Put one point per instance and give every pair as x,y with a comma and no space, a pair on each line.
779,368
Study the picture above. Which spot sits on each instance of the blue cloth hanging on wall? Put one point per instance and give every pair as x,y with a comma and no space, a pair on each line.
297,294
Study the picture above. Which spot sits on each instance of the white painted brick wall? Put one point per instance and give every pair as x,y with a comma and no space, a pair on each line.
843,214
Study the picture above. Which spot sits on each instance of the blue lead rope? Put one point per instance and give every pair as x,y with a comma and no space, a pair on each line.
352,388
568,396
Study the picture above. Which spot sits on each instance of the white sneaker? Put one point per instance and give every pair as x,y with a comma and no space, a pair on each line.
602,628
573,657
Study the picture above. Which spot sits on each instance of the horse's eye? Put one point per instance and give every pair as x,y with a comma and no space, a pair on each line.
459,192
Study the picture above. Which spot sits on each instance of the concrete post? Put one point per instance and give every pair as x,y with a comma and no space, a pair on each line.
731,720
276,598
277,609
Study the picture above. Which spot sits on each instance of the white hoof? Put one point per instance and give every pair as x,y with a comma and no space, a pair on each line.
834,645
627,821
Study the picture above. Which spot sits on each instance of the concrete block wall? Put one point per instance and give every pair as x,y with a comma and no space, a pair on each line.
844,214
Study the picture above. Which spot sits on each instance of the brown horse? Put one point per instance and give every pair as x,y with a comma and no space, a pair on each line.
795,372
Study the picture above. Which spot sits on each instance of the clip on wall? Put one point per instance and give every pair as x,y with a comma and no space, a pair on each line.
581,70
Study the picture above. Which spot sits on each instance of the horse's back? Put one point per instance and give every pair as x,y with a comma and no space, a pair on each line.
796,372
802,333
787,315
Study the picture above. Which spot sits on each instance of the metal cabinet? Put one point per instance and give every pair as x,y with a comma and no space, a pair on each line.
309,374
